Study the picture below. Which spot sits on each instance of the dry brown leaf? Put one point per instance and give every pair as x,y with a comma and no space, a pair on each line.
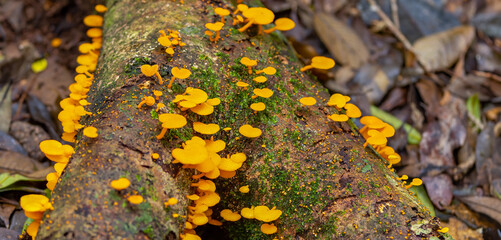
441,50
341,41
17,163
486,205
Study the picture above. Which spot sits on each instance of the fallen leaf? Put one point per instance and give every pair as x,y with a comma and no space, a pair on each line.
371,80
487,205
341,41
5,211
439,189
18,163
441,50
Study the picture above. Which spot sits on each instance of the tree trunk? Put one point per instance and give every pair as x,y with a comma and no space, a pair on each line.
314,170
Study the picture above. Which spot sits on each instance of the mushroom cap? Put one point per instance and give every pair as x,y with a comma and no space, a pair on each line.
149,100
229,215
269,70
93,21
249,131
215,222
157,93
227,165
221,11
203,109
238,157
308,101
149,70
213,174
120,184
372,122
164,41
203,128
214,26
199,219
264,92
259,15
263,213
394,158
247,213
321,62
51,147
135,199
242,84
213,101
32,229
338,117
181,73
172,120
85,48
242,7
352,110
35,203
248,62
205,185
100,8
338,100
387,130
227,174
376,138
90,132
193,197
189,236
215,146
416,182
258,106
172,201
244,189
268,228
209,164
94,32
193,152
260,79
210,199
284,24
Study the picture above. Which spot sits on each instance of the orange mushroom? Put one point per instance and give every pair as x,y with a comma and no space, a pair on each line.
150,70
222,12
181,73
319,62
282,24
249,63
170,121
257,15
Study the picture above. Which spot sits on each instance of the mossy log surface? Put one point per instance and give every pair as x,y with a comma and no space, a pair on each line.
316,171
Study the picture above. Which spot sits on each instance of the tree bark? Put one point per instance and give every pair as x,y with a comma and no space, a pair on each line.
316,171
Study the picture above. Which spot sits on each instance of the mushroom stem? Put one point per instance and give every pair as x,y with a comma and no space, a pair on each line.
222,19
170,82
246,26
159,78
249,70
270,30
260,31
162,133
141,104
217,36
305,68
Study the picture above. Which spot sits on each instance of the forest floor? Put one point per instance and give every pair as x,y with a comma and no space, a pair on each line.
434,65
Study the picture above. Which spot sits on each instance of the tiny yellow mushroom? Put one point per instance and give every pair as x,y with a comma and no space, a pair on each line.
244,189
282,24
249,131
262,92
338,117
181,73
260,79
257,15
93,21
135,199
319,62
308,101
150,70
90,132
148,100
242,84
170,121
203,128
249,63
216,27
222,12
100,8
257,107
415,182
268,228
352,111
229,215
120,184
267,71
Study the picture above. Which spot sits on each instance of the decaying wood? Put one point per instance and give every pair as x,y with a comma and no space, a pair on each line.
317,172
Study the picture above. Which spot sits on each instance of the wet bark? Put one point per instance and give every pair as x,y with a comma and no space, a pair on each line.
317,172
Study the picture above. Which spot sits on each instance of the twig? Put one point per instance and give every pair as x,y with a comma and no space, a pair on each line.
394,13
396,32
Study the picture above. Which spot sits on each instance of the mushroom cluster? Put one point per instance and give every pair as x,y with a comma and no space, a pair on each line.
339,101
197,101
170,41
72,111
